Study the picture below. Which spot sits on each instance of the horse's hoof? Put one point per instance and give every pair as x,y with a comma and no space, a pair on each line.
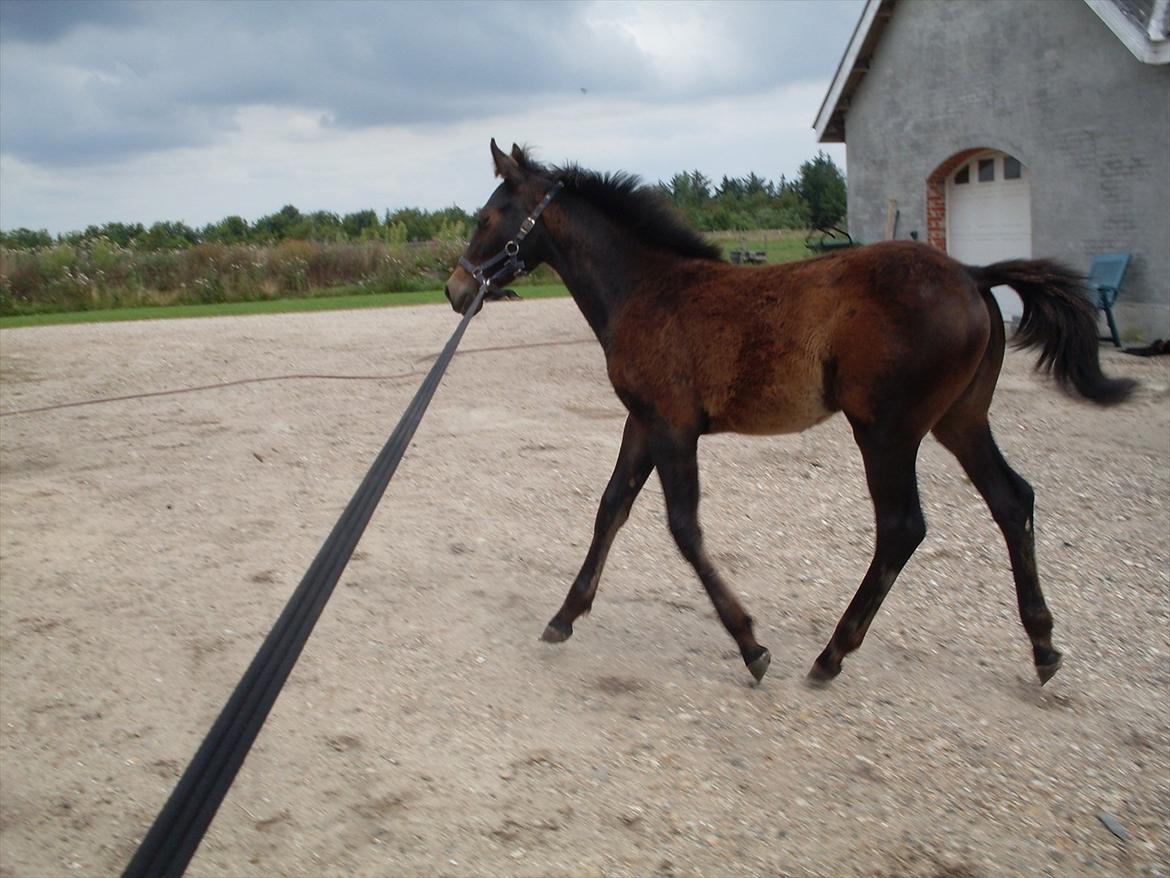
1046,672
759,665
555,634
819,676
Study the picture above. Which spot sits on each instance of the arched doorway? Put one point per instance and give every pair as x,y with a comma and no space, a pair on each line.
985,201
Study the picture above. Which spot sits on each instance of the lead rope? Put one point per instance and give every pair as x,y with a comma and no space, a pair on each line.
179,828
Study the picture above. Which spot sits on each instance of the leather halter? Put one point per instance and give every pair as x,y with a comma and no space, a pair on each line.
510,255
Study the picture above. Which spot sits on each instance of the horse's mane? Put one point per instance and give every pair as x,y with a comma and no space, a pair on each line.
643,210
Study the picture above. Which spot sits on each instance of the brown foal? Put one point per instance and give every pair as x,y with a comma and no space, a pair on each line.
899,337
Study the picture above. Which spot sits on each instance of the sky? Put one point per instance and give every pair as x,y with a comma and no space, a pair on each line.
148,110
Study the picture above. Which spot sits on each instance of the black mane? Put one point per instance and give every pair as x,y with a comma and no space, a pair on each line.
644,210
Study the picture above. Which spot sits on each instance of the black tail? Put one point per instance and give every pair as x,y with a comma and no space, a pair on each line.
1059,315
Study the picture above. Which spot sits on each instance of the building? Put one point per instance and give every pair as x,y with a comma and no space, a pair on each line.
1014,128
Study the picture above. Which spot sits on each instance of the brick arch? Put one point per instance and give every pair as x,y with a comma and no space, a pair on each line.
936,197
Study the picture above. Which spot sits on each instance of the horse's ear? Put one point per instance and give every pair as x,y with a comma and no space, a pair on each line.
507,167
518,154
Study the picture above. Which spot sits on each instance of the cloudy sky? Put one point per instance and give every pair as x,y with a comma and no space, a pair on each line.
182,109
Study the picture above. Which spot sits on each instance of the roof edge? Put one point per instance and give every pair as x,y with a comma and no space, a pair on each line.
1149,45
845,67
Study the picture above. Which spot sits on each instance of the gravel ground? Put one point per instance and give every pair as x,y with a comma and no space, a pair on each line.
148,544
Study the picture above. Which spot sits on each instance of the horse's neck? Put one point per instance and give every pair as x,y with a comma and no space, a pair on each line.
598,262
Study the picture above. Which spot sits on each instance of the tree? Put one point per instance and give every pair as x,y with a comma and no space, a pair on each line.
278,226
229,230
730,187
123,234
690,189
325,225
754,186
362,224
169,236
25,239
822,186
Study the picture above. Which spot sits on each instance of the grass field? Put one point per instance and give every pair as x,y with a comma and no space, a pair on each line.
273,306
783,245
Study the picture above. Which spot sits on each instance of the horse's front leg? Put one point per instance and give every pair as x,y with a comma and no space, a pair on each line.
629,475
893,484
675,456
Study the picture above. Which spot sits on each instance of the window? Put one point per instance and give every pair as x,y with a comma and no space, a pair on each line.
986,170
964,175
1012,170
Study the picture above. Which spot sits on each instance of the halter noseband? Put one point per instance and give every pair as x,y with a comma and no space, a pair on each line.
511,252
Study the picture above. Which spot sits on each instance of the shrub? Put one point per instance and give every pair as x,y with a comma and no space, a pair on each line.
100,273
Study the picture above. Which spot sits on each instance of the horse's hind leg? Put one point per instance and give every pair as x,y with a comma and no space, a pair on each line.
629,475
893,484
675,456
1010,499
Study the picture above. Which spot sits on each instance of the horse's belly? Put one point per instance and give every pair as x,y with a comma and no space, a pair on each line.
769,414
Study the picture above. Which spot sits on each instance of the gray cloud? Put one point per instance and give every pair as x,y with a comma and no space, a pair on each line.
91,82
37,21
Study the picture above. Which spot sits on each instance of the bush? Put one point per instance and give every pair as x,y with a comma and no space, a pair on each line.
99,273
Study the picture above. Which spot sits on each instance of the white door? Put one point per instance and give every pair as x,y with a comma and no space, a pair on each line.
989,216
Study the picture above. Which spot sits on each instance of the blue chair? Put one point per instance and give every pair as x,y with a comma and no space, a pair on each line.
1105,283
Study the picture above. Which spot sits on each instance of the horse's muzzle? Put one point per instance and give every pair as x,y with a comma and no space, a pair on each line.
451,299
460,290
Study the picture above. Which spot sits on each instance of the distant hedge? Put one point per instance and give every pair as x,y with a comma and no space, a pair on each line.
98,273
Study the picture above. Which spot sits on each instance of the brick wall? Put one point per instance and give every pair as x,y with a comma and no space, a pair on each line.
936,198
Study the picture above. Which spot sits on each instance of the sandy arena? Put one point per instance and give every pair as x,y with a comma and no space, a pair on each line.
148,544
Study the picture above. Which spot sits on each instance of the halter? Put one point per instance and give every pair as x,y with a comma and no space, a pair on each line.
514,265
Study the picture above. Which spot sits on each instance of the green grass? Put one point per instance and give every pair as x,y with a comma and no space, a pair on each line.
274,306
780,246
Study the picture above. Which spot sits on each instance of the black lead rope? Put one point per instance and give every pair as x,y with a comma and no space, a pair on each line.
177,831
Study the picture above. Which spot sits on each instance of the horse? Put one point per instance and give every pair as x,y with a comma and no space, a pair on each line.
898,336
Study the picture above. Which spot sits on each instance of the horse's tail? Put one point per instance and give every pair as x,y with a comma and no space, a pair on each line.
1058,315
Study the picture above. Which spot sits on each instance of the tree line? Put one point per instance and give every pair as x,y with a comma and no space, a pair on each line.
815,198
287,224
